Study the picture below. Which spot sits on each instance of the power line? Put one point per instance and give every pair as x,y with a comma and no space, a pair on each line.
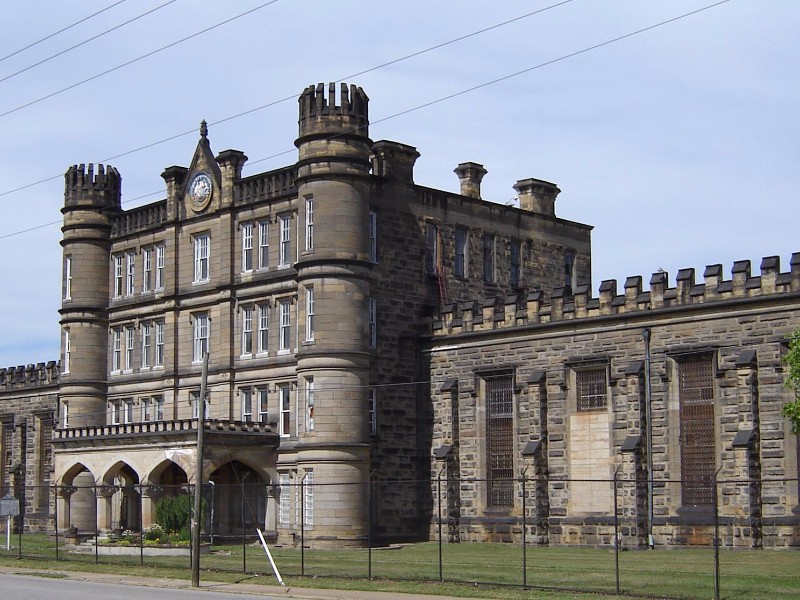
135,60
84,42
409,110
294,96
52,35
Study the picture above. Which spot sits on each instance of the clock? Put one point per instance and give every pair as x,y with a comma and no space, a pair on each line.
200,191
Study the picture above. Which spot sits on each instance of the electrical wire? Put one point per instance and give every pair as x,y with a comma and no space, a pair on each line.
135,60
52,35
84,42
395,115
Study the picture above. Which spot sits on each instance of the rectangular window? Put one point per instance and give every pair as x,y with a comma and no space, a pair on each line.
431,249
373,411
285,333
569,269
499,441
118,276
160,262
158,405
247,331
127,411
309,404
147,345
247,247
116,350
309,224
308,499
373,236
114,410
284,250
263,244
488,258
147,269
263,406
67,295
130,273
460,265
263,328
309,314
202,249
284,506
285,408
372,318
194,397
201,326
698,461
246,395
159,355
516,262
152,409
67,352
64,415
591,389
147,410
129,348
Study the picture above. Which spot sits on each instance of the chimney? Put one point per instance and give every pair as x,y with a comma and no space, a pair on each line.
537,196
470,174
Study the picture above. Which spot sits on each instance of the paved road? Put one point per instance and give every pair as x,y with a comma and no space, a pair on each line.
27,584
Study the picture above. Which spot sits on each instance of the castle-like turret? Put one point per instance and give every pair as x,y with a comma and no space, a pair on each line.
334,272
91,199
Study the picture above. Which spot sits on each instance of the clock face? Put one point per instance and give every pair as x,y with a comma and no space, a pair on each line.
200,190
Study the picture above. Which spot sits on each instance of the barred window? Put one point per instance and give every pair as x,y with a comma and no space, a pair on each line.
592,389
696,381
499,441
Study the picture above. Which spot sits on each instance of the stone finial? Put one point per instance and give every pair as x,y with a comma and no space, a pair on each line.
470,174
203,129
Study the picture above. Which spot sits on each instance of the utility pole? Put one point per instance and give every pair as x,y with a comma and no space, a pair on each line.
198,475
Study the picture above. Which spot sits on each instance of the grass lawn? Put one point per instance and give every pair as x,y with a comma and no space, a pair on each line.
469,570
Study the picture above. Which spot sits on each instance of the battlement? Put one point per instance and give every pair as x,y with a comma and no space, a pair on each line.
30,376
83,185
564,304
322,114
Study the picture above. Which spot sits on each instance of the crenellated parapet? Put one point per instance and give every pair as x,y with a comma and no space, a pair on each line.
538,307
101,188
30,376
322,114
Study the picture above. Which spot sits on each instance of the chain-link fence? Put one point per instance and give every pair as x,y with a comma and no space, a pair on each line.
610,536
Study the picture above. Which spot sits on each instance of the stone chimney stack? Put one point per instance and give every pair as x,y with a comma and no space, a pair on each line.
470,174
537,196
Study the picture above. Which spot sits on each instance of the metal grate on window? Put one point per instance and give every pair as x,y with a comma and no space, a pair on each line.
696,379
500,441
592,389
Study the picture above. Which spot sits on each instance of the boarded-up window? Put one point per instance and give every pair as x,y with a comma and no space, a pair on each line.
697,431
499,441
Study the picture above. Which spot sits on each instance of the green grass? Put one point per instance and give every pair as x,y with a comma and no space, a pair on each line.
469,570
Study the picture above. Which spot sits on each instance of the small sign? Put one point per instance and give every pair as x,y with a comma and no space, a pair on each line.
9,507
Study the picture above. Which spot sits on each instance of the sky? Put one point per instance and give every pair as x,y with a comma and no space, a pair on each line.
676,139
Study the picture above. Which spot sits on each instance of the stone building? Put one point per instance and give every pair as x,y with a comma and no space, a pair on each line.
682,384
331,406
28,397
311,289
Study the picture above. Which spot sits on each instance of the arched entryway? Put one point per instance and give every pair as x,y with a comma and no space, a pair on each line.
119,500
166,479
237,496
77,500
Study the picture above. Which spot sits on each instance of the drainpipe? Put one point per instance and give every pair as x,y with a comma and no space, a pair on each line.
648,405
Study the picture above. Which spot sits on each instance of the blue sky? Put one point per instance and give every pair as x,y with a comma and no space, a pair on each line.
679,144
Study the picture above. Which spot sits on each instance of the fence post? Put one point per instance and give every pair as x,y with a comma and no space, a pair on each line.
439,505
244,540
616,526
302,526
55,516
716,535
524,532
369,528
96,528
141,525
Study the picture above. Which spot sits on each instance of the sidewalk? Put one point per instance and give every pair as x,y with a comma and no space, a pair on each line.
265,591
